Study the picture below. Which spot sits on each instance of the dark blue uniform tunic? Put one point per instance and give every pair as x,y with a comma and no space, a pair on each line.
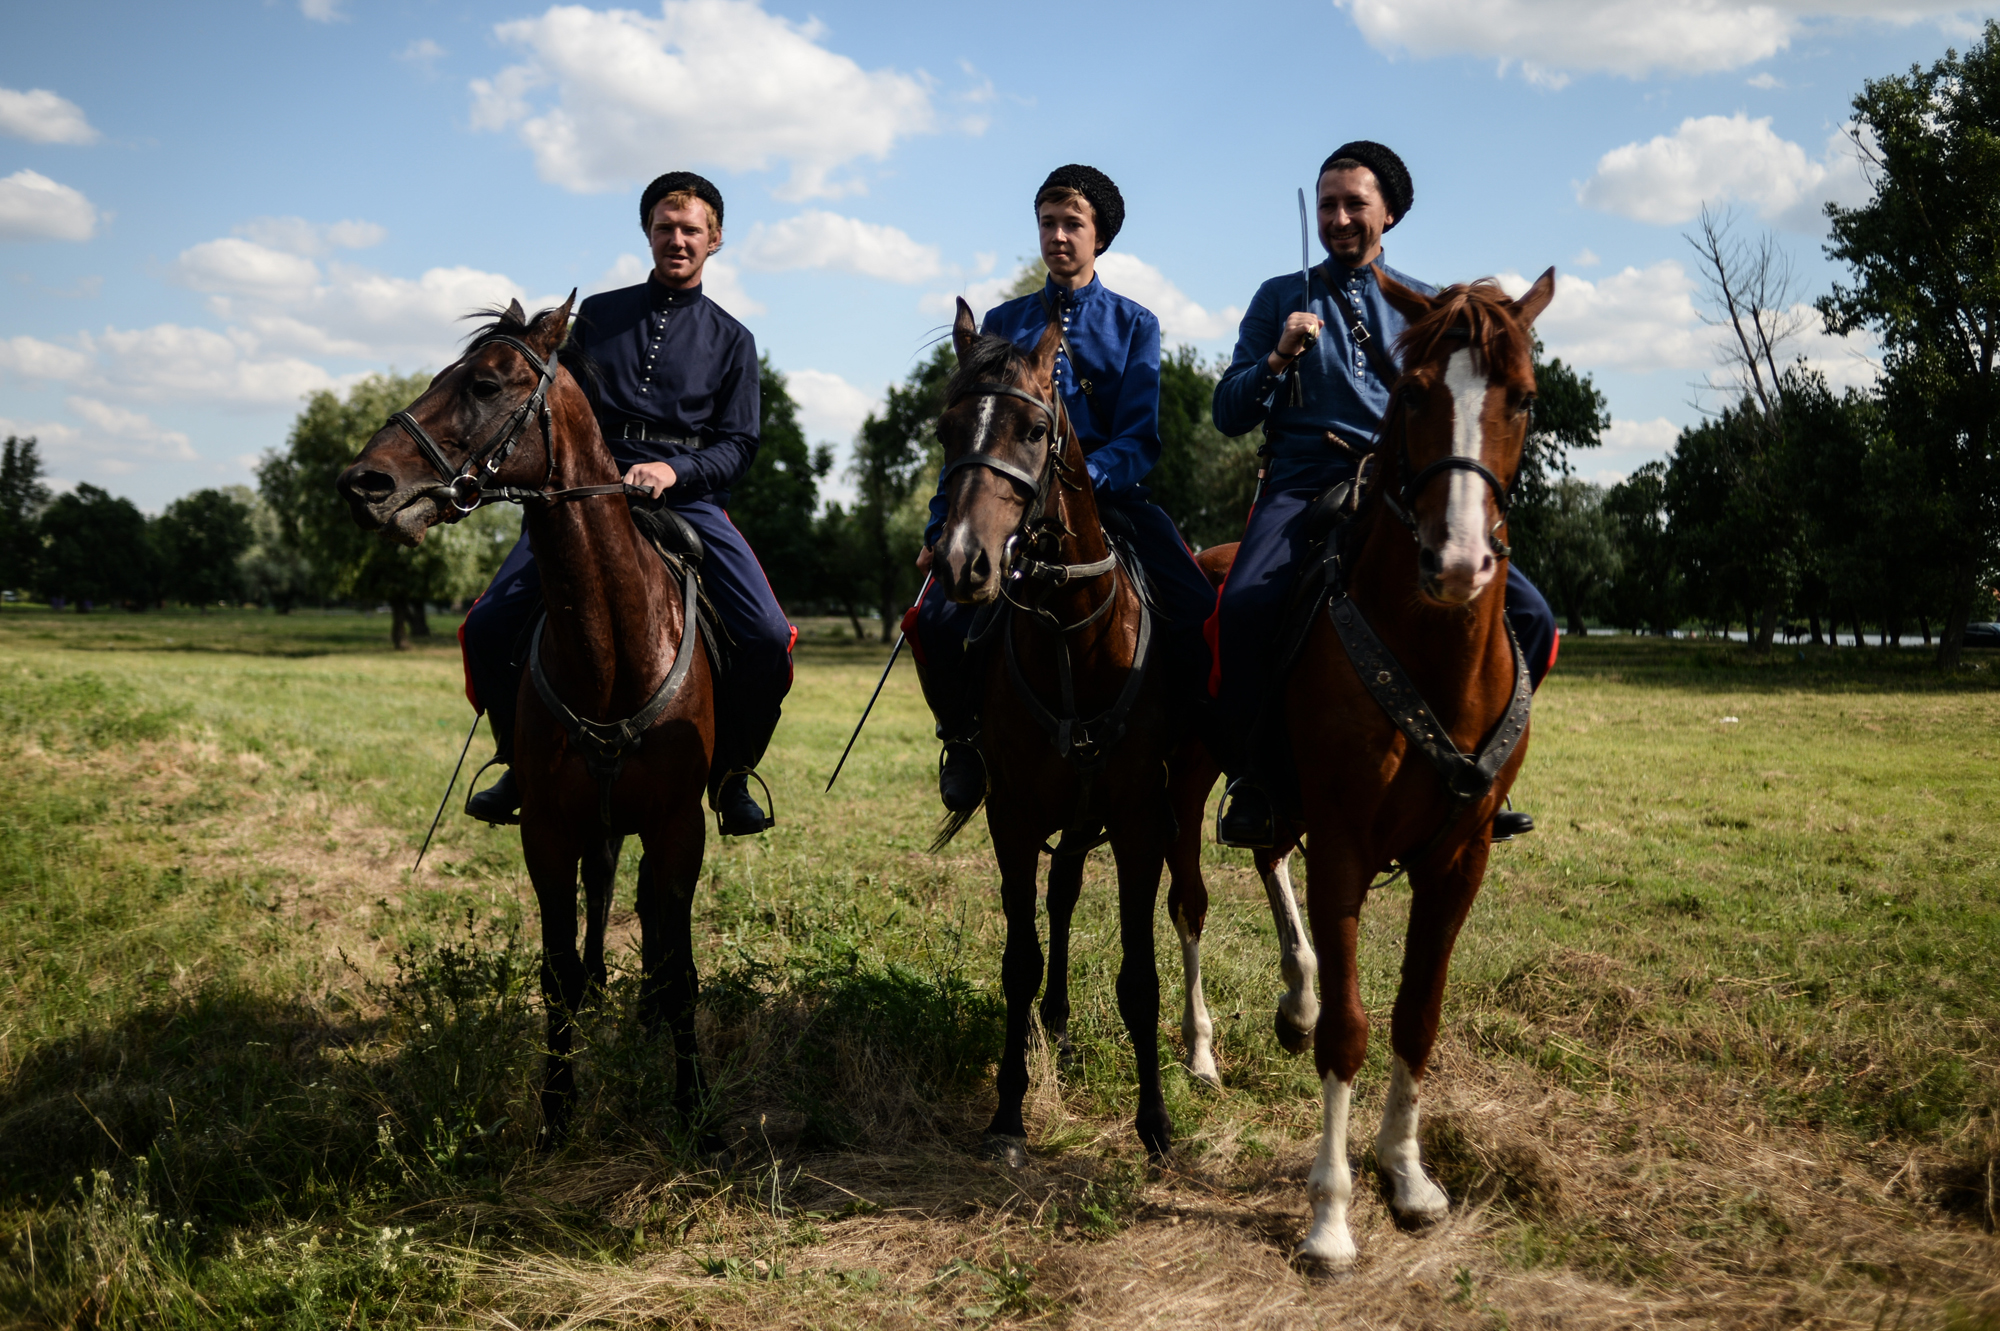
1342,393
675,366
1117,347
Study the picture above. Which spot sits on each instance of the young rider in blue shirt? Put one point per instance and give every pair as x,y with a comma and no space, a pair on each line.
1313,443
676,396
1111,393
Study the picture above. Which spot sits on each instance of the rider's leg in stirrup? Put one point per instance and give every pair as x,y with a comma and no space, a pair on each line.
950,677
492,639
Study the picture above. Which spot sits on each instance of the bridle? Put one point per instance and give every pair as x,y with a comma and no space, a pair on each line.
1402,504
465,485
1022,565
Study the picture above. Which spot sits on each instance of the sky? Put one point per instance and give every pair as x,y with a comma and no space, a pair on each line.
209,212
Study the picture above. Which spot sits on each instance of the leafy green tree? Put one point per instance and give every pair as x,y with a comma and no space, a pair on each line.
22,498
453,561
1737,527
1924,252
773,504
1576,559
1205,480
200,538
1569,414
273,570
95,550
1645,592
896,458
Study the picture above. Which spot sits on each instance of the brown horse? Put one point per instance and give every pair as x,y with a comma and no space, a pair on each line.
1077,734
618,643
1427,575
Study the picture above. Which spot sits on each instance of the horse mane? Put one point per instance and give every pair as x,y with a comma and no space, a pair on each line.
1481,309
992,357
502,323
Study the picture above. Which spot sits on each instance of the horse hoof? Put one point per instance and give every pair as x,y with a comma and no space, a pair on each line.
1292,1038
1004,1150
1333,1262
1205,1074
1157,1133
1419,1213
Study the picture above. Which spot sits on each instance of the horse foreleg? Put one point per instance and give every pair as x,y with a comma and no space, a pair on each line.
1065,885
1341,1041
1298,1007
669,987
1139,861
1439,903
600,876
553,870
1190,777
1018,851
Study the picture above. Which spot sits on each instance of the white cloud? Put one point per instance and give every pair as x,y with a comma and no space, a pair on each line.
1585,258
295,235
110,444
715,83
1628,445
627,270
40,116
322,11
145,439
981,296
1722,159
422,51
830,408
1766,80
1635,38
33,207
1179,316
32,359
242,267
819,239
169,362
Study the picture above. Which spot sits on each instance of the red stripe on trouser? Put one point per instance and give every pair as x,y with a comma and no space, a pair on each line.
1211,628
465,660
1554,649
910,632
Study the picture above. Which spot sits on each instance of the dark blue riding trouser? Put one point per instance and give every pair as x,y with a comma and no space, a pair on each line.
748,696
1260,581
1183,599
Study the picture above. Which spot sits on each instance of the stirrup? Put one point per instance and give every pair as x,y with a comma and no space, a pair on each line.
1247,820
500,803
765,821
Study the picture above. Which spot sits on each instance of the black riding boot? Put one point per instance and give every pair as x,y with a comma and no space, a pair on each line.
1247,820
961,773
1510,823
729,795
499,803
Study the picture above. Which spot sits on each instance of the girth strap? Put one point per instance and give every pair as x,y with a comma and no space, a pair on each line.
1086,744
1467,777
605,745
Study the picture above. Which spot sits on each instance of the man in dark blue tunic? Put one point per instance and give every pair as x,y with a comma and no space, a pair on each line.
1111,392
1312,444
677,400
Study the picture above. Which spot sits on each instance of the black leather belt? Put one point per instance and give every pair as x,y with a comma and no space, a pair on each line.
641,431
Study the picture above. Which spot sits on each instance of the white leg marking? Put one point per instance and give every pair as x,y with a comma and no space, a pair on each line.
1297,961
1412,1196
1330,1187
1196,1029
1464,556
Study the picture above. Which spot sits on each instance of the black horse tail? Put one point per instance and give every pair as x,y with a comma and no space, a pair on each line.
950,825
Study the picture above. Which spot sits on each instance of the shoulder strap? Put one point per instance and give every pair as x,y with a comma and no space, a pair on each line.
1379,358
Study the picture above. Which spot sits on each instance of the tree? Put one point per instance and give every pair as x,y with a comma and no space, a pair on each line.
22,498
1925,256
1205,480
1645,593
452,562
895,456
273,570
1576,558
1750,290
95,548
199,540
1569,413
1737,529
773,504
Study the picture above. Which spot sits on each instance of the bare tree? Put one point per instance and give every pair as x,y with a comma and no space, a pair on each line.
1750,289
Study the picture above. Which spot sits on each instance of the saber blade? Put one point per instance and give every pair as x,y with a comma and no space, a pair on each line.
439,815
1305,249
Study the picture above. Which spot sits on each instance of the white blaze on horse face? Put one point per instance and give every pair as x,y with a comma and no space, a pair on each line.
1412,1195
1466,561
1330,1187
961,542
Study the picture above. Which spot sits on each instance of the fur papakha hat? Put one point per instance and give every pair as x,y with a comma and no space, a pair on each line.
674,182
1390,173
1094,185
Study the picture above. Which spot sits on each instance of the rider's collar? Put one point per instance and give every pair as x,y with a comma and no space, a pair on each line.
1062,294
1367,271
665,297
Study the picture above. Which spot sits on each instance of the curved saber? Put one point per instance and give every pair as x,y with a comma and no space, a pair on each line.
894,652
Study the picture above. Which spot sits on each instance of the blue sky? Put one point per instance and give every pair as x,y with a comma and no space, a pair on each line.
207,212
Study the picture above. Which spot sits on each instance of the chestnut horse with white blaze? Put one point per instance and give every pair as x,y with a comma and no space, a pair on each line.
1079,738
616,726
1407,713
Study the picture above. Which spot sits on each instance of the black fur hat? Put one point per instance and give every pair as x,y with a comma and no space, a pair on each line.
1390,173
673,183
1105,200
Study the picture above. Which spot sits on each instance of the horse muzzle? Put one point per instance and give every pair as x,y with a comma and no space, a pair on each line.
400,513
1455,578
971,575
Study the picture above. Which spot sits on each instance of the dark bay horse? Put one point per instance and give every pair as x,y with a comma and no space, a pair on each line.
616,724
1077,735
1421,629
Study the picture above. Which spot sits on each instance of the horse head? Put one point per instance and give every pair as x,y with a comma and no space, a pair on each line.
469,425
1459,418
1003,433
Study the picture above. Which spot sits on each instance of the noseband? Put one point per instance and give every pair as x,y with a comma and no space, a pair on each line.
465,484
1403,503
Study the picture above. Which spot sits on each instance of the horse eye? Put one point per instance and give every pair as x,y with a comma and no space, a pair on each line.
1039,433
1526,404
484,388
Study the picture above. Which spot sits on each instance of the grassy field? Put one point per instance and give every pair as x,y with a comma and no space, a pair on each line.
1722,1046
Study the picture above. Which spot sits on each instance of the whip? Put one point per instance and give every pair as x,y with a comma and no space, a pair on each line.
894,652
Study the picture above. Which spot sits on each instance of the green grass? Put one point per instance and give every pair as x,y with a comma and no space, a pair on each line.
251,1069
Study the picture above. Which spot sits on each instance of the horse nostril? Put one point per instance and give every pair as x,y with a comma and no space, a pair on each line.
368,486
980,567
1486,564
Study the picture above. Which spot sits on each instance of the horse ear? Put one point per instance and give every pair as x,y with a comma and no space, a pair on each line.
1410,304
963,330
552,326
1537,299
516,313
1045,352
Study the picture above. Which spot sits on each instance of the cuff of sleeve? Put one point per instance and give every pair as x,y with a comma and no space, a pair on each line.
1095,472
